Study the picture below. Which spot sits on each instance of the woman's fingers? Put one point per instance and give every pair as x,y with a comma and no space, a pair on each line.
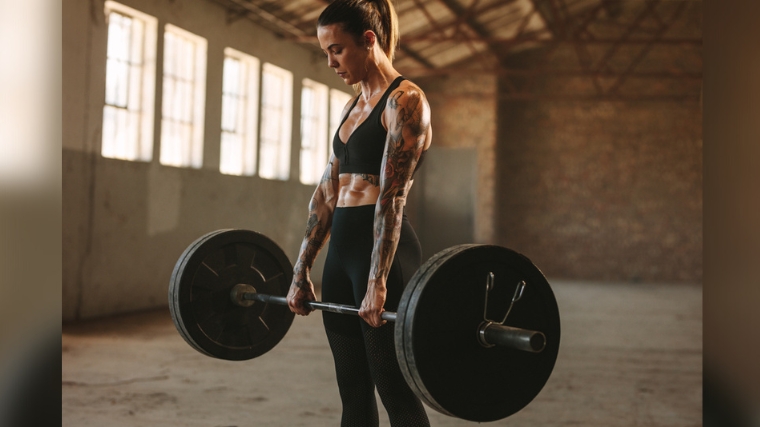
297,299
372,315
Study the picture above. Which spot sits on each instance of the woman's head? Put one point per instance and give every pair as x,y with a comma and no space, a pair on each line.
356,17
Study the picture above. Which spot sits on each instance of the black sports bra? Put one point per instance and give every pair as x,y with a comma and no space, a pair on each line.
363,152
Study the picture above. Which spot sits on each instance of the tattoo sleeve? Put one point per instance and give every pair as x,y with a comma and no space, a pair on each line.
319,222
409,120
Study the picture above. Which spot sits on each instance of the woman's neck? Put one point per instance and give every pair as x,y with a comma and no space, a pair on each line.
379,76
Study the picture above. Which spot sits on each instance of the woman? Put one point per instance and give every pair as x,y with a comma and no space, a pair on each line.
360,202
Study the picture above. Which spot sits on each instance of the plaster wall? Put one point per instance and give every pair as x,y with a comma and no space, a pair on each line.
126,223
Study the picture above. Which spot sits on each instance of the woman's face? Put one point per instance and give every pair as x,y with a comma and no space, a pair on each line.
348,59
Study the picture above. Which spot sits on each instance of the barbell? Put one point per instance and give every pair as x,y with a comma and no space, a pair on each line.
226,297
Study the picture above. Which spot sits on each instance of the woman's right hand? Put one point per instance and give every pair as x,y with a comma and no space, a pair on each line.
301,291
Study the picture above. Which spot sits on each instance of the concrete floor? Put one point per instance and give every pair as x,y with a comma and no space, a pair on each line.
631,355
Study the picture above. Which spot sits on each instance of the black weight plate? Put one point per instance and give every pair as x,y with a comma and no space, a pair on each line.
436,333
199,294
401,325
174,287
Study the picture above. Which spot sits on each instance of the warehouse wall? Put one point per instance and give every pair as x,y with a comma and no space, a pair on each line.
588,189
606,187
126,223
454,189
604,190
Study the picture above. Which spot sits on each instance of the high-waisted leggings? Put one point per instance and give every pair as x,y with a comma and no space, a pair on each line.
364,356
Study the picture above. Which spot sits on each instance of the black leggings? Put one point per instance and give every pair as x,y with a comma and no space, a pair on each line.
365,357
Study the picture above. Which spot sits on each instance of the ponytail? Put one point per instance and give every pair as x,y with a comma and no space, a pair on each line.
358,16
390,26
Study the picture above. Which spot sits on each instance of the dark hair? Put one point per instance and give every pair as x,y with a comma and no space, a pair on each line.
358,16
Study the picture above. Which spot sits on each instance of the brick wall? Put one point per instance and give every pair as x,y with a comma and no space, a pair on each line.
603,190
464,116
597,185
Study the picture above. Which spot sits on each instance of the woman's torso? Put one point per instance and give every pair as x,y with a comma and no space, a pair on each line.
359,146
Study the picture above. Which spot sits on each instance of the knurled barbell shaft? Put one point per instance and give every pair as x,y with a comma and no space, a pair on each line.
316,305
489,334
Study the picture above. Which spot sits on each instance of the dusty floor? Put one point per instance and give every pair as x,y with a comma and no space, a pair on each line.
631,355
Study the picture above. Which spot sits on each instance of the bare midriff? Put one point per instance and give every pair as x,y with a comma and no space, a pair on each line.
357,189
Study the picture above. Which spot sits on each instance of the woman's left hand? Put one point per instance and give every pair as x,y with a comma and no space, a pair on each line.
372,305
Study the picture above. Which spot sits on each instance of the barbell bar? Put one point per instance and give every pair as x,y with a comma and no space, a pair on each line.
226,298
489,333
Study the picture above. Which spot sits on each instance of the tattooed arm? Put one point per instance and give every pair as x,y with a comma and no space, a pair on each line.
318,226
407,116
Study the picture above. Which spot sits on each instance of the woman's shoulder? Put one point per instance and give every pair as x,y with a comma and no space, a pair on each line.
407,91
409,86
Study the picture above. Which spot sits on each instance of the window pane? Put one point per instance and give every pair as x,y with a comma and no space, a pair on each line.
113,83
231,76
137,42
232,148
229,113
119,33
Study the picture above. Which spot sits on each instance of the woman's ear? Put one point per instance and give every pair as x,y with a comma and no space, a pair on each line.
369,39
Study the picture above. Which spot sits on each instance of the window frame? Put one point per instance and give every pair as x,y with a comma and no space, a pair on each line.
131,141
314,152
246,119
280,146
187,151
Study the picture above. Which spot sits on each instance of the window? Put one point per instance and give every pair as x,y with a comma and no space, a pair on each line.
313,131
183,98
276,120
338,100
240,96
130,84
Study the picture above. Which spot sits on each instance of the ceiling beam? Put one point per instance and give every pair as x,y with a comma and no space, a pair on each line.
417,57
248,8
664,26
466,14
537,38
527,72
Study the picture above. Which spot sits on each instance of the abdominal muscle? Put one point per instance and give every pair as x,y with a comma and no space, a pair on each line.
356,189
